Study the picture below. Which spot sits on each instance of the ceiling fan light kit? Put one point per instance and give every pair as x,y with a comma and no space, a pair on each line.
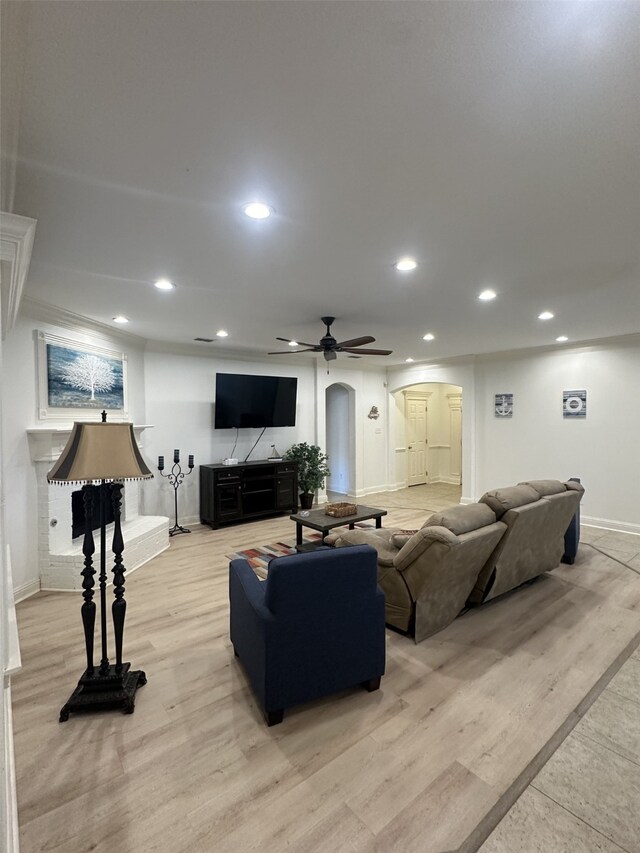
330,347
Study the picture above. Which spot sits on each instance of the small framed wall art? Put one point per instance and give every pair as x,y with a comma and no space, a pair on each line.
503,406
76,381
574,404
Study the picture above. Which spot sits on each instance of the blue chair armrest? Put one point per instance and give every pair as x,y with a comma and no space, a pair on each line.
244,581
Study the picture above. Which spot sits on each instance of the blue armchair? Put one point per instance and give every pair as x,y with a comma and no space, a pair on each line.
315,626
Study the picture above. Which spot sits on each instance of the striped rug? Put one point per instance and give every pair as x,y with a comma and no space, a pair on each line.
260,556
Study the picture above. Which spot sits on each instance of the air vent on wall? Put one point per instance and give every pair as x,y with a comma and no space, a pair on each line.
205,340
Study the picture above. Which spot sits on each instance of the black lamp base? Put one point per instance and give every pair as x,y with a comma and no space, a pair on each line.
105,692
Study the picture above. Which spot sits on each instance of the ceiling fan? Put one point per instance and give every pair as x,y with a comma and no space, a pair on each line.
330,347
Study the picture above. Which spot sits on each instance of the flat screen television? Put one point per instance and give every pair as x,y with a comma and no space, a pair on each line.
255,401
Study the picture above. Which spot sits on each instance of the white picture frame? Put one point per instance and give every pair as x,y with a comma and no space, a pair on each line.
77,380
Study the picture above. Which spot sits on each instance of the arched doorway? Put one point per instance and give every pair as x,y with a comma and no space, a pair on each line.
340,433
429,433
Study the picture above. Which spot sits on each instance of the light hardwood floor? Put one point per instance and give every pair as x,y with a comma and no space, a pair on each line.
427,763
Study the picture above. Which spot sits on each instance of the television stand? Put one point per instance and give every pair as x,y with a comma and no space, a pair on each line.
230,494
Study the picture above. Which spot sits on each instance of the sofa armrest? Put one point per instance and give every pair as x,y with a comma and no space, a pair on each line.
243,582
419,543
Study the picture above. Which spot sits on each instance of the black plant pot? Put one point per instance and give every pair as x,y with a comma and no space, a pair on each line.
306,500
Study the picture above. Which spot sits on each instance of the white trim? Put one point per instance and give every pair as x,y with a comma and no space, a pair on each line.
445,479
418,395
12,662
76,322
16,243
610,524
47,443
9,841
372,490
26,590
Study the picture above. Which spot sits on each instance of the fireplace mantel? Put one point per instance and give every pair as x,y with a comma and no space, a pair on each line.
46,443
60,556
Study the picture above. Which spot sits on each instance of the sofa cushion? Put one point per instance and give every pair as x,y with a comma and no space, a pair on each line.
501,500
545,487
462,518
380,539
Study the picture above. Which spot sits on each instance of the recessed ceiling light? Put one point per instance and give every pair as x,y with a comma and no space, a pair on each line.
408,360
487,295
406,264
562,338
164,284
428,337
257,210
293,343
222,334
546,315
120,319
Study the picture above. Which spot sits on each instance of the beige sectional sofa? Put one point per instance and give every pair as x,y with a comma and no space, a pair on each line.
469,553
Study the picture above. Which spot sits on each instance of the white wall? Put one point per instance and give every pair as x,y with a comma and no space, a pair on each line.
180,396
20,412
369,436
603,449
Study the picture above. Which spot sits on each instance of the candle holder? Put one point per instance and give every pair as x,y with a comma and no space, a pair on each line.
175,477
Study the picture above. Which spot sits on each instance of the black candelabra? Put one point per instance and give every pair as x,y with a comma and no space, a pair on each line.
175,477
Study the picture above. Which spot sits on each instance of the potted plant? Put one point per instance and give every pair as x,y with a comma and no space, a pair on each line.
312,470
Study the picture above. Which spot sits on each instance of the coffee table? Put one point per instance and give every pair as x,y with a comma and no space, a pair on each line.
319,520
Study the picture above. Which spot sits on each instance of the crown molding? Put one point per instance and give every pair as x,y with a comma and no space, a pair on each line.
632,339
67,319
16,243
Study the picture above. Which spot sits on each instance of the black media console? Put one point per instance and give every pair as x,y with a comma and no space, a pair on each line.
233,493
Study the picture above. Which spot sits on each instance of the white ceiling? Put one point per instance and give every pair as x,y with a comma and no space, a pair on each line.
498,143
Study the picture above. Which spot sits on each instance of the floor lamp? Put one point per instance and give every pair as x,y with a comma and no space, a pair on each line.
101,454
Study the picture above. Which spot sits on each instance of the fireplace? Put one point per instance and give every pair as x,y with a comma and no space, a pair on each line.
78,514
60,538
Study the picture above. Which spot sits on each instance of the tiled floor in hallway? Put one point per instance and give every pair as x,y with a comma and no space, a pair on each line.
587,796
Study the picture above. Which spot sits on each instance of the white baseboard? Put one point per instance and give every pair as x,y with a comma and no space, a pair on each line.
609,524
371,490
26,590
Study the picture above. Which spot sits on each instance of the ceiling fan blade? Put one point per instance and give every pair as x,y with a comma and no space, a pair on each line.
367,351
356,342
300,343
293,351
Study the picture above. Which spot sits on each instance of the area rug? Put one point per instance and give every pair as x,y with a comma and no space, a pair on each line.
260,556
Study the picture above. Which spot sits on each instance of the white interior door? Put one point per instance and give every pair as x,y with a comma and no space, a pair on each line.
416,419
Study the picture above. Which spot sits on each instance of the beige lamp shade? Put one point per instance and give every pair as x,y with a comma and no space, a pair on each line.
100,451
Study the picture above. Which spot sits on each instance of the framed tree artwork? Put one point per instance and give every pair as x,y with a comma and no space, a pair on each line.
76,381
